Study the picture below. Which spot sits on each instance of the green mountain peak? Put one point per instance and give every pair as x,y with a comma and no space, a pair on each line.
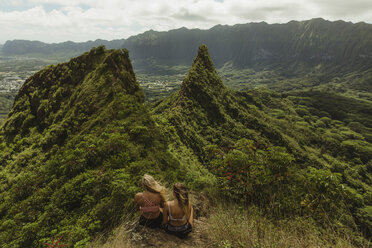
204,59
84,86
202,80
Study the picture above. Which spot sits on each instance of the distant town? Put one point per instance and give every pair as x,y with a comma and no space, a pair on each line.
11,81
14,72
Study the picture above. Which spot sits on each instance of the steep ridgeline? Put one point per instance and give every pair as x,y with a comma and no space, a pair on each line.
277,152
205,112
314,54
73,150
245,45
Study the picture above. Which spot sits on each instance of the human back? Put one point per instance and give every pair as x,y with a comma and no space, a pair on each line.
178,214
150,202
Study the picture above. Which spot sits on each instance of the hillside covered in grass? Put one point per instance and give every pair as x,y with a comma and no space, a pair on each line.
80,136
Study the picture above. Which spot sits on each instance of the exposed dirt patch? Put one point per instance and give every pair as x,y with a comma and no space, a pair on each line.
146,237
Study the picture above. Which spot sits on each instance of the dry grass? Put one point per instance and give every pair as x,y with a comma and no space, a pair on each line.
119,238
231,227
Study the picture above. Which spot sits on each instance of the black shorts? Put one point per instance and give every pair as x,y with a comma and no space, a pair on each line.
153,223
179,231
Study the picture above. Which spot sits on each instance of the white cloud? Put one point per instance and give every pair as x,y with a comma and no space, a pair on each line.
81,20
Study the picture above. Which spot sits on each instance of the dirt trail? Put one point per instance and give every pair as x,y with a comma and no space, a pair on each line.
146,237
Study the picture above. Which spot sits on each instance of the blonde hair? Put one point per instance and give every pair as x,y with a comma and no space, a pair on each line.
151,185
182,194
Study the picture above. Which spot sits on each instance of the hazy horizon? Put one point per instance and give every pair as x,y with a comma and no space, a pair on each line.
55,21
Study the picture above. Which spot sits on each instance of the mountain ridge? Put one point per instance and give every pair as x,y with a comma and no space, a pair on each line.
313,41
35,48
254,43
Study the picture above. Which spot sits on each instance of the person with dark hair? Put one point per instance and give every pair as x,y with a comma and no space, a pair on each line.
150,202
178,215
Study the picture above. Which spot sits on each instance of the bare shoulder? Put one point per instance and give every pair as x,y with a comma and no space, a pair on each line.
170,203
138,196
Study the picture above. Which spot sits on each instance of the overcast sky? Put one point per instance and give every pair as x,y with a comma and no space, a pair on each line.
82,20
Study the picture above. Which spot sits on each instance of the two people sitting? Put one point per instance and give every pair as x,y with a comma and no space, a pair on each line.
177,216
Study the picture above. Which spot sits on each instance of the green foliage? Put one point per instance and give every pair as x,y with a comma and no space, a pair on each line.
73,150
79,137
6,101
286,153
264,177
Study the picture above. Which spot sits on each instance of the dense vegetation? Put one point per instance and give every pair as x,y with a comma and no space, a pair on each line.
12,73
291,155
6,101
79,137
73,149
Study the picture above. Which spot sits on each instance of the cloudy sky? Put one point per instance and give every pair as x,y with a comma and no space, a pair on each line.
82,20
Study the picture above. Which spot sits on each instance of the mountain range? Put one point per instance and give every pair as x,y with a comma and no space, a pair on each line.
79,137
244,45
37,48
80,134
314,54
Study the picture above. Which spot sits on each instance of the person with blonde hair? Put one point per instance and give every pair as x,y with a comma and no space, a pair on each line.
150,202
178,215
